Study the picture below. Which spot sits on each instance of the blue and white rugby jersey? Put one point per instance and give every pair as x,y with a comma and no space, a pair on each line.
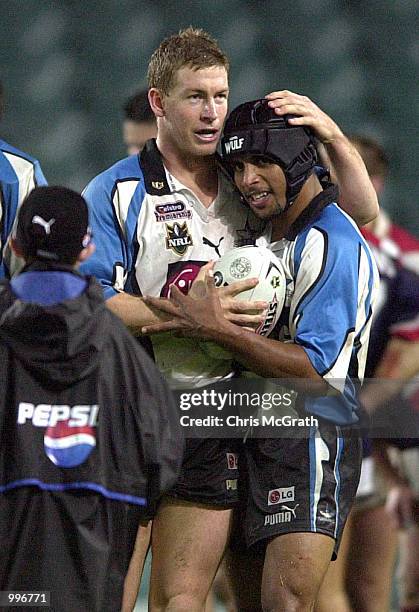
332,281
19,174
151,231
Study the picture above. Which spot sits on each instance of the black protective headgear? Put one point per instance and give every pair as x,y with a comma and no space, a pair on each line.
253,128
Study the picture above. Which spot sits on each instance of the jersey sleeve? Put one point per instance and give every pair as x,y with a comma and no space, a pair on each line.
39,178
332,304
113,256
28,175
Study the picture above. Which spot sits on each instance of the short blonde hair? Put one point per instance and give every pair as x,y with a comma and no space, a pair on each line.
190,47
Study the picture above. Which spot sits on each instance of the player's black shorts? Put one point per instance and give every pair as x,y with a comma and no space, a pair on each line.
304,484
209,472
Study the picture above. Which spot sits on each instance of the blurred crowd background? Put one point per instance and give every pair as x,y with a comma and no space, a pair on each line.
68,66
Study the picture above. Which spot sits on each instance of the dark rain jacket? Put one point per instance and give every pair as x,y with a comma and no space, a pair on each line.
89,441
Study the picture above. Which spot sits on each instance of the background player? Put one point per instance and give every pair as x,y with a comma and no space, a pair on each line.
362,576
324,330
157,220
19,174
139,124
89,434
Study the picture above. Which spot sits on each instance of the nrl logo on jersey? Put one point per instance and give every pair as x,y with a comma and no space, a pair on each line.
170,212
178,238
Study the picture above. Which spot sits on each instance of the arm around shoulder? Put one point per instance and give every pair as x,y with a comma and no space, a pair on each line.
357,194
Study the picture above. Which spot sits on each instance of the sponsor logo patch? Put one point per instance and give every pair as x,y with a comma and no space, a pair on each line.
234,144
171,212
232,461
157,184
278,496
70,434
182,274
178,238
231,484
286,515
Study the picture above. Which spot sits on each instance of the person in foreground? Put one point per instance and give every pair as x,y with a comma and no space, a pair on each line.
298,490
89,438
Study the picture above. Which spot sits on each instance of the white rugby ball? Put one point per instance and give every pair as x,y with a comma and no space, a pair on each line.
259,262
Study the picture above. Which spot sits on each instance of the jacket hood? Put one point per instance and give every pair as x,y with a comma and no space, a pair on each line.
58,344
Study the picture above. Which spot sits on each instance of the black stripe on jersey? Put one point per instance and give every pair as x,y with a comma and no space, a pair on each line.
117,221
353,370
132,282
153,170
348,331
323,266
2,213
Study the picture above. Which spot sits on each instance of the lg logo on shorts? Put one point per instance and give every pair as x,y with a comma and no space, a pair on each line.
277,496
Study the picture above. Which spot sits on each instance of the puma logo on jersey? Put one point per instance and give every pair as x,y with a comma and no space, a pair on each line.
212,245
36,219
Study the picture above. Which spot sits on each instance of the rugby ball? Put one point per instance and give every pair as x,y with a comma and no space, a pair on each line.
259,262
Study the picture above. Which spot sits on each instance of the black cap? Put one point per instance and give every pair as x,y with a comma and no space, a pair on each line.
53,225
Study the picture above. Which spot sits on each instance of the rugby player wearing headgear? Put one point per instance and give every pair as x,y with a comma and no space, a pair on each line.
299,490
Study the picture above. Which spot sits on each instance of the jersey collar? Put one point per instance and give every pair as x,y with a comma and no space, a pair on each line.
328,196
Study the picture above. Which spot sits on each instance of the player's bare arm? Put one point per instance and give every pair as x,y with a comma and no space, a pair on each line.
204,318
133,311
246,313
357,194
157,314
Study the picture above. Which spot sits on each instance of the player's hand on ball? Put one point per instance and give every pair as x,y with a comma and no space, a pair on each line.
193,316
247,313
289,103
205,315
241,312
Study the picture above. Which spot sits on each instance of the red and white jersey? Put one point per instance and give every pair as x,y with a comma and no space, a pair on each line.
393,241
